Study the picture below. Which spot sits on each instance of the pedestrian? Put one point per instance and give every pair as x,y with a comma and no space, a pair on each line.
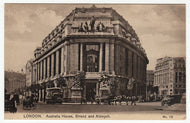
20,98
12,108
133,100
127,100
32,100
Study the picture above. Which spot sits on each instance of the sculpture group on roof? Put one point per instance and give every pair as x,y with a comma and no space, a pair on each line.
85,27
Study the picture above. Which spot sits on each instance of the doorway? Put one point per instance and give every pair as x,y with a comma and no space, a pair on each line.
90,91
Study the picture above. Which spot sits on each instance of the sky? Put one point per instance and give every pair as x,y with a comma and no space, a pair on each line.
160,28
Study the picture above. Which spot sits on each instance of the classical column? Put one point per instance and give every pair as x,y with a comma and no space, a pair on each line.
41,70
112,55
129,63
100,60
42,94
57,62
39,96
135,66
107,56
52,64
62,60
81,57
37,72
66,57
97,89
44,69
48,61
139,69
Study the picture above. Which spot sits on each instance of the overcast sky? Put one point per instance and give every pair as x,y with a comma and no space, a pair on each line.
160,28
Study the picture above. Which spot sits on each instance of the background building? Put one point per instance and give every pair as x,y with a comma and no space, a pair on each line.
14,81
149,85
95,41
170,75
29,73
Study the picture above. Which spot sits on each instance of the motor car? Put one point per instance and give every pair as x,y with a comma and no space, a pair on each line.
54,95
170,100
28,103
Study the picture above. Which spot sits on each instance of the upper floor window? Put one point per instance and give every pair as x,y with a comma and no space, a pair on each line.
91,57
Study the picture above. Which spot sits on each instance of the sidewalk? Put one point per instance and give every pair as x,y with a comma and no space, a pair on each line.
149,103
123,103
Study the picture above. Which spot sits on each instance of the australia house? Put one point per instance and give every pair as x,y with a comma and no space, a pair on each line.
100,44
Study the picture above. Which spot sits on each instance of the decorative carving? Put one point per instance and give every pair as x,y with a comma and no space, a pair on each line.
131,83
85,27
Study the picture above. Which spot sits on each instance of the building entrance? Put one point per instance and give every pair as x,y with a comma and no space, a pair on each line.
90,91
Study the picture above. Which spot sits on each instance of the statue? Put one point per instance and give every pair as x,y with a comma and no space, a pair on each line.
100,27
92,22
85,27
81,28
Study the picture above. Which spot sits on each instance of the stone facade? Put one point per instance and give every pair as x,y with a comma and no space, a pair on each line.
149,84
93,40
170,75
29,73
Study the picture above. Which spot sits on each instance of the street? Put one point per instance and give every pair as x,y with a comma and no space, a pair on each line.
143,111
93,108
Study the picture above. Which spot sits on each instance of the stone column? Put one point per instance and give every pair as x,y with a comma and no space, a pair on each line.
52,64
66,58
48,61
44,68
97,89
129,63
135,66
39,92
81,57
100,57
37,72
84,92
107,56
62,60
139,69
41,70
42,94
57,62
112,49
34,74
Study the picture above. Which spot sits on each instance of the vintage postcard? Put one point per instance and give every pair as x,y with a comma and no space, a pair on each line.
94,61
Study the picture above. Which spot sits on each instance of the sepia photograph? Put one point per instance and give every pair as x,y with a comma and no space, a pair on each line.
69,61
